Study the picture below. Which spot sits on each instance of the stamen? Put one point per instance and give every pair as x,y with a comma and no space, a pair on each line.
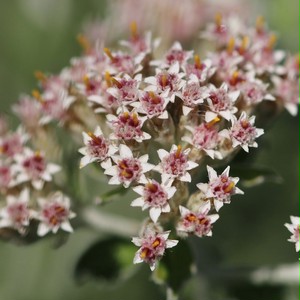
133,30
298,60
109,54
218,19
272,41
229,187
191,218
164,80
144,253
178,151
107,78
40,76
260,24
154,98
84,42
244,45
156,243
197,61
37,95
135,119
116,82
151,187
213,122
230,45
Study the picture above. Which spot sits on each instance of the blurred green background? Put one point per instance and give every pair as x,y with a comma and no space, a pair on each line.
40,35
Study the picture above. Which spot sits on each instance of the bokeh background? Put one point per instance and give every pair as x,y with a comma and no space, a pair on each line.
40,35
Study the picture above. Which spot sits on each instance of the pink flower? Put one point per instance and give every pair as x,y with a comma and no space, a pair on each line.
205,137
243,132
152,104
288,92
128,170
127,126
125,89
294,229
153,244
12,143
54,214
220,188
192,95
175,164
97,148
198,223
32,166
5,176
169,81
203,70
29,111
16,213
221,102
154,196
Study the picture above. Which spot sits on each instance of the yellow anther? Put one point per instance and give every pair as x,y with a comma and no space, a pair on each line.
218,19
133,30
151,187
213,122
191,218
164,80
144,253
297,60
108,53
116,82
178,151
107,78
272,41
156,243
197,61
154,98
91,135
260,24
86,79
230,45
229,187
37,153
84,42
40,76
37,95
135,119
244,45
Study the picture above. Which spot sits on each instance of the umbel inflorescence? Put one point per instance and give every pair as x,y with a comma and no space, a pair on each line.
153,122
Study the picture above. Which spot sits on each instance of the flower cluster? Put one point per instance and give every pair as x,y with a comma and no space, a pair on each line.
152,124
24,175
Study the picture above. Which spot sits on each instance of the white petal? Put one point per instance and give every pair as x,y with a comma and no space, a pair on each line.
218,204
43,229
212,174
209,116
125,151
114,180
154,213
162,153
66,226
171,243
138,202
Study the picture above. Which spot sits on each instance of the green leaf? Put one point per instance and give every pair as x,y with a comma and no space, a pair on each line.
252,175
107,259
175,267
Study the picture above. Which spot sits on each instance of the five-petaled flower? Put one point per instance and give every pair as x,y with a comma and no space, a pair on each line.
220,188
153,244
54,214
